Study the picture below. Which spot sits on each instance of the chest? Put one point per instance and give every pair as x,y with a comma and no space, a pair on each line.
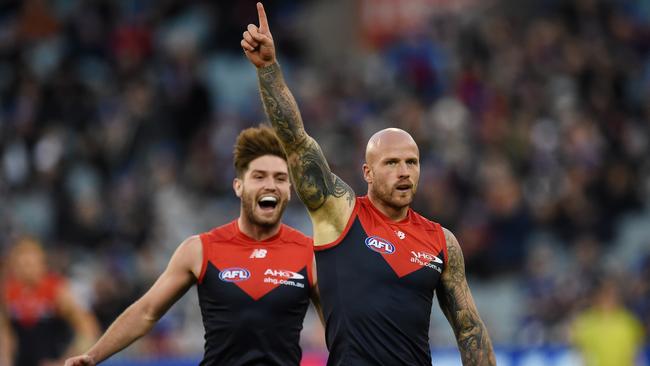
256,272
29,305
384,256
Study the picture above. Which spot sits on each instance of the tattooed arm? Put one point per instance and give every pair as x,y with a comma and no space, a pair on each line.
458,306
330,201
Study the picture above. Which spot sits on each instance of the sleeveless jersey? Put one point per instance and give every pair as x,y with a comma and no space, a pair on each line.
254,295
40,331
377,284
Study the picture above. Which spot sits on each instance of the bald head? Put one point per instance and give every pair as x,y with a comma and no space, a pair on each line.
386,139
392,171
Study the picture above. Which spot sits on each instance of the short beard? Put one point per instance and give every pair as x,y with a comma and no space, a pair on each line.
248,206
387,200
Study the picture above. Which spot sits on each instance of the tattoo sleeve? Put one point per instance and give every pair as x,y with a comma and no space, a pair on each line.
313,179
458,306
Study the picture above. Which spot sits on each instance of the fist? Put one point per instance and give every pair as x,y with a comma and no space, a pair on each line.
83,360
257,42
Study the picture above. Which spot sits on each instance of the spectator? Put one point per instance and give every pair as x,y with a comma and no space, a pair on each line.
606,333
38,307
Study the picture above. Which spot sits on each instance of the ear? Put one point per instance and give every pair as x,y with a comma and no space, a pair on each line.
237,186
367,173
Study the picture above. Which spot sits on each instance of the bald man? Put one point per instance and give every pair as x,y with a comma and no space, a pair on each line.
378,262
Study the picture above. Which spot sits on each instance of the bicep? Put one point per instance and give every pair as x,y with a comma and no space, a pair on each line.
313,179
174,282
453,292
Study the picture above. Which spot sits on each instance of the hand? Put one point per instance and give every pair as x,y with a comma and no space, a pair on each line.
258,42
50,362
83,360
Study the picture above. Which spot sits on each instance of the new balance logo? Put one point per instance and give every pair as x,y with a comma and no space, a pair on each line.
258,253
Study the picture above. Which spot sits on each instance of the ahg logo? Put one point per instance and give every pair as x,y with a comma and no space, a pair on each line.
283,274
426,260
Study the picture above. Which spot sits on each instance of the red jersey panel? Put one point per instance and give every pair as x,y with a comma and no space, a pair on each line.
28,305
254,296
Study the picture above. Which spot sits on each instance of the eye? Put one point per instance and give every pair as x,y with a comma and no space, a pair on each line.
412,162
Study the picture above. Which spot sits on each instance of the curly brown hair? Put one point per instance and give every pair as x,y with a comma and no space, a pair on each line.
254,142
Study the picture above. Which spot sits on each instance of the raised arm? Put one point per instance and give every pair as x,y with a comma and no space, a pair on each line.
330,200
142,315
457,304
315,182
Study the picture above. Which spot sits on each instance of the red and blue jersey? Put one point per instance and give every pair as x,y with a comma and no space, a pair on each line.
377,283
41,333
254,296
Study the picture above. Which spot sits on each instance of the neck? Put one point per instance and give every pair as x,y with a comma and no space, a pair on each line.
255,231
394,214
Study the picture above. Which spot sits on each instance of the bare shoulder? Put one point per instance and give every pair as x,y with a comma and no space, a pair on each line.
191,244
189,256
450,238
455,267
453,247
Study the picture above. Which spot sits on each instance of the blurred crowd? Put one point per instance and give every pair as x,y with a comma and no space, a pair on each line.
117,120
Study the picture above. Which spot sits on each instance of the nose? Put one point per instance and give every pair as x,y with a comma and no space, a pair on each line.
269,184
403,171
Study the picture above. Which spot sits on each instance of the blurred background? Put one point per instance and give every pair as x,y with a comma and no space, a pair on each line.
117,121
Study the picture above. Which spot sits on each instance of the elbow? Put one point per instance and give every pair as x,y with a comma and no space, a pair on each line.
150,315
143,315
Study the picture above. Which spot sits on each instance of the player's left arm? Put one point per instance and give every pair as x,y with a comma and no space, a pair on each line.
84,323
457,304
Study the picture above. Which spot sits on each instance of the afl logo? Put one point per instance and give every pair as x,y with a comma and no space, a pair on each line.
234,274
380,245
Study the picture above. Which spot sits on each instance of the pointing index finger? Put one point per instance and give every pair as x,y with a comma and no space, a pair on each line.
261,14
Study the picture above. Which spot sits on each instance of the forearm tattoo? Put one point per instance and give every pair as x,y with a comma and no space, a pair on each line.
312,176
458,306
280,106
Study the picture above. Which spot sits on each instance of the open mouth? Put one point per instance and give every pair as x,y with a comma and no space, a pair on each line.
403,187
268,202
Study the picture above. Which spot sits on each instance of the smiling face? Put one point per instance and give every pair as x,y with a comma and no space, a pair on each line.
264,190
392,170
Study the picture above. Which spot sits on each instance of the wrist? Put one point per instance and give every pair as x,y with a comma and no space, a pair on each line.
268,66
92,356
270,72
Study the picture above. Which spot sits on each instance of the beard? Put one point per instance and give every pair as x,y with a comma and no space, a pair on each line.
254,215
393,198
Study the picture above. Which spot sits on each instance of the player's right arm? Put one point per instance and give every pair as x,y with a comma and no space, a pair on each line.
330,200
181,273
